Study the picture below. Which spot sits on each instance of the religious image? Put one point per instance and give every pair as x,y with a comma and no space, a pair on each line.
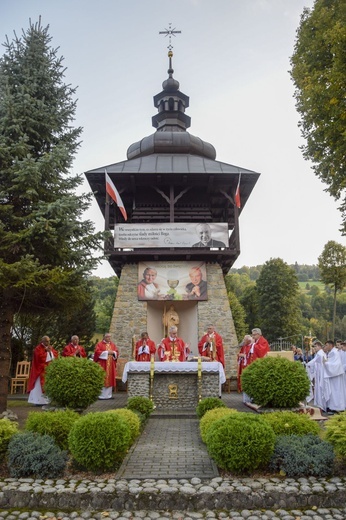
172,281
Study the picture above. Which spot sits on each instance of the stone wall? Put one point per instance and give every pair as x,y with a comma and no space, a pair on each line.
217,311
138,384
130,315
188,389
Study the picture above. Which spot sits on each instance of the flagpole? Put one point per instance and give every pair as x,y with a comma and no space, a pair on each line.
236,229
107,203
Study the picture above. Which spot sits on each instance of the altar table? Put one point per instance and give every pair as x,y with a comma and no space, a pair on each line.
175,384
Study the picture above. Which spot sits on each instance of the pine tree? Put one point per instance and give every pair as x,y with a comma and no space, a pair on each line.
45,247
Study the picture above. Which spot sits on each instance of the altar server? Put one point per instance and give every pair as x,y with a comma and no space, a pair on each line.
145,348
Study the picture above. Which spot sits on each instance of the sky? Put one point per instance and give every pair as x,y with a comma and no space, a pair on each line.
232,59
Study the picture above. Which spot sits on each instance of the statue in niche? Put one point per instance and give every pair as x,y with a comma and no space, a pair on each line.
170,317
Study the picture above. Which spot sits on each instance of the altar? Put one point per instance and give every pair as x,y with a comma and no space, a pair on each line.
174,385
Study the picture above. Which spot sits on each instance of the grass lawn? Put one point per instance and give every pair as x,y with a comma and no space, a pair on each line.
12,403
319,284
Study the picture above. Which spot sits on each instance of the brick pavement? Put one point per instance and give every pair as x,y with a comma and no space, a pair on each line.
168,448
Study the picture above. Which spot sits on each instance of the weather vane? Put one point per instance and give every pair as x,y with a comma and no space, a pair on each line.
170,32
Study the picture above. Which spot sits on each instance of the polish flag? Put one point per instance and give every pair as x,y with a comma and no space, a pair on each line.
113,193
237,194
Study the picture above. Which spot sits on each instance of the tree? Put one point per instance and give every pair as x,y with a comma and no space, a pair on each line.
46,249
105,291
237,283
249,301
238,314
332,264
318,72
278,300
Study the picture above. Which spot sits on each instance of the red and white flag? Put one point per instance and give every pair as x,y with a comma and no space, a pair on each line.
113,193
237,194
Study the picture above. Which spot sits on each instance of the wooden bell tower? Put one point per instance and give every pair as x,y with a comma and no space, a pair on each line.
170,183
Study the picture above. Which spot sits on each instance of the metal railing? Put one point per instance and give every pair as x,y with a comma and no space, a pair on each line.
287,342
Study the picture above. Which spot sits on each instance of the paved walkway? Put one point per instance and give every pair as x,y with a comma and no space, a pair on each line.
170,445
168,448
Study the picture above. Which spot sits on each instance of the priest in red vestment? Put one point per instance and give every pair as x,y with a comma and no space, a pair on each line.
145,348
106,355
43,354
243,358
211,346
74,349
260,346
173,348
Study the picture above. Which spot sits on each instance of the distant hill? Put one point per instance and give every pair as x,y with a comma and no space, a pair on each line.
305,273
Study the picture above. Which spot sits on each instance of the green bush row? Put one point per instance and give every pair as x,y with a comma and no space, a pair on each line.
96,441
284,442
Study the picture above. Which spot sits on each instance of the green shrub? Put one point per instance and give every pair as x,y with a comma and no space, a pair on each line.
335,429
210,417
276,382
33,455
142,418
208,403
7,430
302,456
132,419
57,424
291,423
240,442
73,382
99,441
141,404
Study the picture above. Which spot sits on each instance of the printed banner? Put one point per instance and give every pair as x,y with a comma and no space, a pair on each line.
185,235
172,281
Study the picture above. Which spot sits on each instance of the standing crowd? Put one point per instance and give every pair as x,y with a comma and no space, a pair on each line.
106,354
326,366
327,373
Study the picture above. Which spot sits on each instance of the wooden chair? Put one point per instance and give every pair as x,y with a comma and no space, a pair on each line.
226,387
120,370
20,381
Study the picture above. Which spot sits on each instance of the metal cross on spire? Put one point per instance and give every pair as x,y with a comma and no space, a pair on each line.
170,32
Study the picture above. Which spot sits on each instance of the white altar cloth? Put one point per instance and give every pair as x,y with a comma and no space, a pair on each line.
172,366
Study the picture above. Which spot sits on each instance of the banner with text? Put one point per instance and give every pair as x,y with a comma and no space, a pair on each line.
133,236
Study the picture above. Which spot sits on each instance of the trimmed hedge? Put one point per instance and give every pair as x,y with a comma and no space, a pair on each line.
140,404
276,382
57,424
208,403
290,423
7,430
240,442
99,441
210,417
73,382
132,419
336,433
